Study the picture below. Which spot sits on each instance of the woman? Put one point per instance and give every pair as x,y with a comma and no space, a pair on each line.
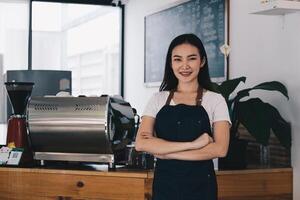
185,126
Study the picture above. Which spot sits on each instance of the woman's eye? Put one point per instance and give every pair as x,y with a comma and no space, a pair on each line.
193,58
177,59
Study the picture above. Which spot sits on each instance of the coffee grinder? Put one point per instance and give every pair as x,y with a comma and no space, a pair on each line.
19,94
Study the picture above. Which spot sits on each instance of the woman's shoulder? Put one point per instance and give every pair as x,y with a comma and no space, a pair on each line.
160,95
155,103
212,93
212,96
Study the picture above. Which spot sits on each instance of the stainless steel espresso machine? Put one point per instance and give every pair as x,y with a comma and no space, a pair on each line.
81,129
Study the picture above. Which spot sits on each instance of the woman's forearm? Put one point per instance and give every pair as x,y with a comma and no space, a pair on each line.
210,151
156,145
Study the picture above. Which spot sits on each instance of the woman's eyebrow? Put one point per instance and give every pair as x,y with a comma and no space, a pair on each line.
177,56
192,55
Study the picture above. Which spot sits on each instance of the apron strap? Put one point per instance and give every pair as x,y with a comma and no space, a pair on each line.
198,98
170,97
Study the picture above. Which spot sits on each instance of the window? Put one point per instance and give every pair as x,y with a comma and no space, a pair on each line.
84,39
14,34
13,47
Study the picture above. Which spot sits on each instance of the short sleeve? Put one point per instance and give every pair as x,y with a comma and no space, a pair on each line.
220,112
152,106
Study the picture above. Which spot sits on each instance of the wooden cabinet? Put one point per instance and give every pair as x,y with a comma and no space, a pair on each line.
25,184
261,184
45,184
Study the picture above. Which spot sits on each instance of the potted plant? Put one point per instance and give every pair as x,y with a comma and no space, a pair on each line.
258,117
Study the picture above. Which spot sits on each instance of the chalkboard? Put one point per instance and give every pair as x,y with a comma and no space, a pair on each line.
205,18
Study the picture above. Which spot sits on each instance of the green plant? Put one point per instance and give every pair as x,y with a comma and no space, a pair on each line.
258,117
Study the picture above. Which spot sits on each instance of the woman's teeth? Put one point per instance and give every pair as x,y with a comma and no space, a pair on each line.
185,73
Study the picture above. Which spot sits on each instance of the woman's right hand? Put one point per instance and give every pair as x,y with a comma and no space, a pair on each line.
201,141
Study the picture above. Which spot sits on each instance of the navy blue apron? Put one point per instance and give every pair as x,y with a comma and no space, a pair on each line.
178,179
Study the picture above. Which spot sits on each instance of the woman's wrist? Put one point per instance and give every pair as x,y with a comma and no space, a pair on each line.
199,143
193,145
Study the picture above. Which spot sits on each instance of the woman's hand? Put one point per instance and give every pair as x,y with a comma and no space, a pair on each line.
146,135
198,143
202,141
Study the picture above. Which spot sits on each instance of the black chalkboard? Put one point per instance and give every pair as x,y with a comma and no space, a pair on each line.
205,18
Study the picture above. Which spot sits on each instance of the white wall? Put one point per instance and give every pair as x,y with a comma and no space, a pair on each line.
264,48
290,70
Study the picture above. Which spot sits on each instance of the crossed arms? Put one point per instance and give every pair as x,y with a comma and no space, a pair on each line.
202,148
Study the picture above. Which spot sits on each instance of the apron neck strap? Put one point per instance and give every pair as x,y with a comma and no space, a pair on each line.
170,97
198,98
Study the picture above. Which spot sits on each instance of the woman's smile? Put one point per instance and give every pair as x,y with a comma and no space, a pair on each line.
185,73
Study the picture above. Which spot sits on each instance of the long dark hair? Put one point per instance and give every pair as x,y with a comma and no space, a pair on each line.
170,81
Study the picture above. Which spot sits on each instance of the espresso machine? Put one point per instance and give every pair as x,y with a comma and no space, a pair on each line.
80,129
19,94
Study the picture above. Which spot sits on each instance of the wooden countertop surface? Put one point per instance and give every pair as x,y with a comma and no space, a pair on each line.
255,171
134,173
41,183
130,173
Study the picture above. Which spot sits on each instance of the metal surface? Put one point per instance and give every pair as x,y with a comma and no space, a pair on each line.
106,158
74,128
46,82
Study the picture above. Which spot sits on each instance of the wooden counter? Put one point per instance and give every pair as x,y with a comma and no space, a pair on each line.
20,183
25,184
260,184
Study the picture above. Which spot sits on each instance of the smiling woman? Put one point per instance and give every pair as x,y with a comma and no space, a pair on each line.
185,125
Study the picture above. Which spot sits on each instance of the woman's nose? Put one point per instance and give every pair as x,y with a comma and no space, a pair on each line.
185,64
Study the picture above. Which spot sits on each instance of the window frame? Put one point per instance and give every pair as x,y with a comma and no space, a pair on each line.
90,2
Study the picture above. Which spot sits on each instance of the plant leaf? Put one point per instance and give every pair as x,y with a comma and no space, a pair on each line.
241,94
282,130
273,86
214,87
255,115
228,86
259,118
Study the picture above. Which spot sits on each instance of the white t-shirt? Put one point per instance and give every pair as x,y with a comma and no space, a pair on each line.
214,104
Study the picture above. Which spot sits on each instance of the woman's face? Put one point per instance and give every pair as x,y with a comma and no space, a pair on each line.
186,62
